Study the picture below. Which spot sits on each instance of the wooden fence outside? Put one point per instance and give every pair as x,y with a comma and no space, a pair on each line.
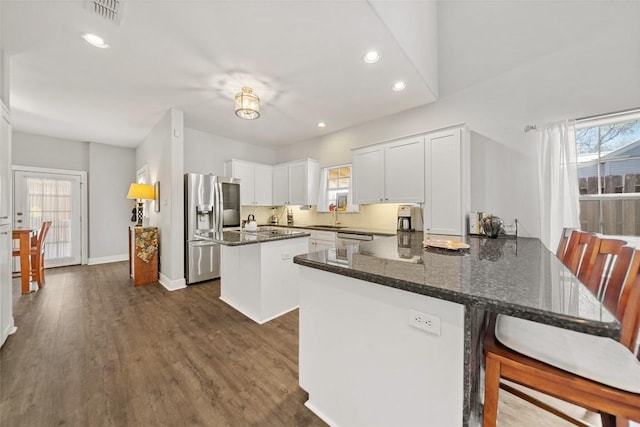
620,217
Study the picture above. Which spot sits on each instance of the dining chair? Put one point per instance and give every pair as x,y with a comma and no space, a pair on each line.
36,253
596,373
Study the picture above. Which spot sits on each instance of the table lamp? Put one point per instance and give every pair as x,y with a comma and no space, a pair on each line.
140,192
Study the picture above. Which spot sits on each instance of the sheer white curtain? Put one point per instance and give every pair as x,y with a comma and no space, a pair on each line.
557,181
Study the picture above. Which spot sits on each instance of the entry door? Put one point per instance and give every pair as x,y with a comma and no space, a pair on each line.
39,197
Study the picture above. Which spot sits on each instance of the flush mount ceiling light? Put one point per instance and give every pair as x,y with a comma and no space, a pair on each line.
399,85
94,40
322,125
371,57
247,104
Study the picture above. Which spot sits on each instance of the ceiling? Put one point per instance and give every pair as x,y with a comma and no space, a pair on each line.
303,58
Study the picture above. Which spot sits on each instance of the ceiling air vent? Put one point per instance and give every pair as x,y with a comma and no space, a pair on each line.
111,10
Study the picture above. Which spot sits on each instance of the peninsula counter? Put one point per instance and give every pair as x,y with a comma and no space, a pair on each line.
364,359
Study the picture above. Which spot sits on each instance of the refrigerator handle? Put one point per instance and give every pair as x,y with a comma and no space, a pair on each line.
220,207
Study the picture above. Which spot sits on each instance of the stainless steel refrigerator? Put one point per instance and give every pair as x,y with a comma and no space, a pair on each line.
211,204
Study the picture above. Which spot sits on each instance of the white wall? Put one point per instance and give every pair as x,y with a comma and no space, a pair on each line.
206,153
163,153
4,69
49,152
587,78
107,167
111,170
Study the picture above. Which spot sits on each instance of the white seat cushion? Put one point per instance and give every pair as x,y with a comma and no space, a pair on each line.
600,359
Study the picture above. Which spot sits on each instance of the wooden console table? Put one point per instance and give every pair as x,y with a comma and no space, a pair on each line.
143,255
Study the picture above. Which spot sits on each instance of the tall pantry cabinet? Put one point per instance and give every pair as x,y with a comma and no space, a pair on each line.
7,326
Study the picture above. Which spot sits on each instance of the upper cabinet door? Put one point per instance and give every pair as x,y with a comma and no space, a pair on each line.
298,183
244,171
404,171
368,175
446,182
280,185
5,166
262,185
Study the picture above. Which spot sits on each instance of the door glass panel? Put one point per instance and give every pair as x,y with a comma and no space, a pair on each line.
50,200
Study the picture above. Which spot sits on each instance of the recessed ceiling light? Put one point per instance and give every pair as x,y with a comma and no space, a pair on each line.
322,125
399,85
371,57
94,40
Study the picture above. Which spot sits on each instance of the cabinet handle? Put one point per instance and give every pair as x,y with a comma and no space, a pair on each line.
5,232
4,217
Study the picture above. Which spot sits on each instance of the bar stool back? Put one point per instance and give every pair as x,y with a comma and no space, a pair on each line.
596,373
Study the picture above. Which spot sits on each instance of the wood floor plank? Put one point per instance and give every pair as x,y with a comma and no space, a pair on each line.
93,350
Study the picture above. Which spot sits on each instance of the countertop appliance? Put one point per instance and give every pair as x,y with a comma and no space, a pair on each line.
409,218
211,204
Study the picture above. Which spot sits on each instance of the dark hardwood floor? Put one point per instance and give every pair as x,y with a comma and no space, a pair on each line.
93,350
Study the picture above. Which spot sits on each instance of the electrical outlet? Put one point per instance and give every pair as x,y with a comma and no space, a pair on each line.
424,321
286,255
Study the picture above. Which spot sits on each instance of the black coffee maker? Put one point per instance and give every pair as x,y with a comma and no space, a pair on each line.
409,218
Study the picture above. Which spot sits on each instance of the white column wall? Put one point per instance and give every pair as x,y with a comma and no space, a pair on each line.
163,153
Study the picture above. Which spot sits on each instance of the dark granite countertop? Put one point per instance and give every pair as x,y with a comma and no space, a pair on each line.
515,276
262,235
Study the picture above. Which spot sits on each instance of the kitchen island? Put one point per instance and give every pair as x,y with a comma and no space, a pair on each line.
257,275
392,334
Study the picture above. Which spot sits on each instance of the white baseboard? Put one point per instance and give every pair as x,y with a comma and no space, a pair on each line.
108,259
10,329
172,285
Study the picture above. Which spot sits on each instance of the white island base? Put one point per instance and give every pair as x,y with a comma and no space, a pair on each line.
259,279
363,365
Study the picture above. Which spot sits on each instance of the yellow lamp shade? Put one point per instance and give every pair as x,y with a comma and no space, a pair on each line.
141,191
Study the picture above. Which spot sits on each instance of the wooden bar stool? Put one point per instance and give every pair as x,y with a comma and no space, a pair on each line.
576,248
564,241
596,373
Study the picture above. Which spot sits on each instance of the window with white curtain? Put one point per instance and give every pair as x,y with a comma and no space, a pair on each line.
336,192
608,150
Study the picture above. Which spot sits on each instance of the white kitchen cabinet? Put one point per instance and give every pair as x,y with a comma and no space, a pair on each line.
5,167
255,181
7,326
280,185
321,240
6,313
296,183
263,185
392,172
447,182
367,168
